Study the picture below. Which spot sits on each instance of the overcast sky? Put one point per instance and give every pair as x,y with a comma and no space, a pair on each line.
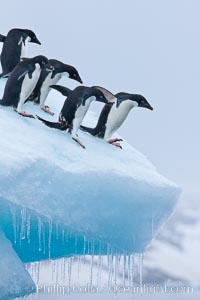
137,46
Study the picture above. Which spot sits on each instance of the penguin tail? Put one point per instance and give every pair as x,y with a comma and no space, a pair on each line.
62,89
2,38
88,129
3,103
54,125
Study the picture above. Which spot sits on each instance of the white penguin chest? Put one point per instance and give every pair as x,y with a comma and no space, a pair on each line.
82,109
118,115
24,49
45,88
50,81
29,84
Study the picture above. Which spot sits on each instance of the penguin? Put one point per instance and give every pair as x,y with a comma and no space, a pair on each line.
14,48
114,114
22,82
47,79
75,108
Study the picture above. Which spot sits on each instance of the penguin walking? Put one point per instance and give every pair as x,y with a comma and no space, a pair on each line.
22,82
47,79
75,108
114,114
14,48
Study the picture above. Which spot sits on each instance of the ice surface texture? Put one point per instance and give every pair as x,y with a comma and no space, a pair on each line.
57,199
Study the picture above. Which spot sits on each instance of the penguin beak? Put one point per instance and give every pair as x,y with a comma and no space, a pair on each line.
80,80
149,107
35,41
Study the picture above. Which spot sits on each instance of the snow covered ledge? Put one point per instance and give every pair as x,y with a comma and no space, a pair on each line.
104,194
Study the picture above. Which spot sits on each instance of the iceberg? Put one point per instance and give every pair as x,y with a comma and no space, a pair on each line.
57,199
15,279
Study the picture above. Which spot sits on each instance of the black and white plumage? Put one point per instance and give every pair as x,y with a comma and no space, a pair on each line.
75,108
114,114
47,79
14,48
22,82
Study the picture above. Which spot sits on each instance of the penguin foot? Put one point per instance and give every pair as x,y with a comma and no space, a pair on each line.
116,144
79,142
111,141
24,114
47,110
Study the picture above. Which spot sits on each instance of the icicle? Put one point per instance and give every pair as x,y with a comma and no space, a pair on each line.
98,269
39,234
57,268
43,239
14,222
38,273
140,270
28,227
23,224
129,262
124,270
69,272
63,236
101,268
64,270
84,249
79,267
50,236
92,263
110,270
132,270
53,268
57,231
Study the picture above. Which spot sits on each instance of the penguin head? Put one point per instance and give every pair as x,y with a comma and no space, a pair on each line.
142,101
31,35
73,73
70,71
137,100
43,62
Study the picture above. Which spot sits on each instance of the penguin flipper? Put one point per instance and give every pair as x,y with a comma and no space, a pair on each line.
3,75
2,38
62,89
88,129
55,125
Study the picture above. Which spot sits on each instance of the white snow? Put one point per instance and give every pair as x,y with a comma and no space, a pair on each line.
101,193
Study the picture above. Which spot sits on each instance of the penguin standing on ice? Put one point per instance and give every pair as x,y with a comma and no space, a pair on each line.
14,48
22,82
75,108
114,114
47,79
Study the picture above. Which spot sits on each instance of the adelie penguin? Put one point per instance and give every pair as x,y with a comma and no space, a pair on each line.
75,108
22,82
114,114
14,48
47,79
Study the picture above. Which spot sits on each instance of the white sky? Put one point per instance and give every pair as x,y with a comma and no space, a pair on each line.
139,46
